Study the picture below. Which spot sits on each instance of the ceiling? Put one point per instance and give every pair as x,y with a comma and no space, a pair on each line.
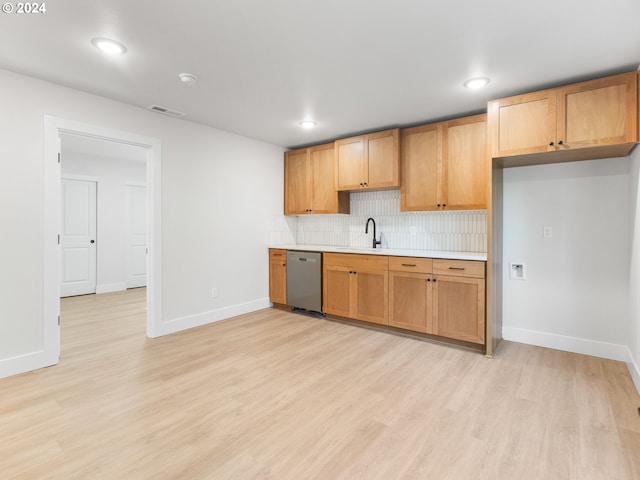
351,65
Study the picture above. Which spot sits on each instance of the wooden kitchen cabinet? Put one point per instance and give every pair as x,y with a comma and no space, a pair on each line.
444,166
441,297
356,286
278,276
459,300
411,294
588,114
368,161
309,182
599,112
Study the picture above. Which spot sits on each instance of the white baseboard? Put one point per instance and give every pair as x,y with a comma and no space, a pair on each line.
634,370
25,363
584,346
199,319
111,287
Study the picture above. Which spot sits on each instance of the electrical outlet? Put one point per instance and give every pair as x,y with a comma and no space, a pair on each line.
214,293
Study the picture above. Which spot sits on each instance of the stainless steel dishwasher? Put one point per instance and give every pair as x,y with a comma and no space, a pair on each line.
304,280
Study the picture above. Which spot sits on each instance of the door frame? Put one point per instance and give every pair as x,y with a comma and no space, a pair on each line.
53,127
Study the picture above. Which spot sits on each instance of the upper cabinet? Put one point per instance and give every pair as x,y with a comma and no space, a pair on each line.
596,113
309,182
444,165
368,161
600,112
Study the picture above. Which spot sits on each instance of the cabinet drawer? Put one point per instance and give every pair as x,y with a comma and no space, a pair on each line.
411,264
277,254
460,268
356,261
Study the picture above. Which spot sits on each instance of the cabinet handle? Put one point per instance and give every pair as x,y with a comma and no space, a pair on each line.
284,264
456,268
409,265
560,142
277,254
551,144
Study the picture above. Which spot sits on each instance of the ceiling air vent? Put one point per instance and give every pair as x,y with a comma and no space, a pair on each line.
166,111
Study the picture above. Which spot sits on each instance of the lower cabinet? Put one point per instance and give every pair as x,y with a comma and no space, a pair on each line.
278,276
411,294
424,300
458,306
356,286
459,299
435,296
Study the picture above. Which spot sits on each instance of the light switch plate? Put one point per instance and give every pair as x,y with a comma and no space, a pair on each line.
547,232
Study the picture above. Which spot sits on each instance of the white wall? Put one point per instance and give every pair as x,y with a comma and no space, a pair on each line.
633,333
576,296
217,191
112,175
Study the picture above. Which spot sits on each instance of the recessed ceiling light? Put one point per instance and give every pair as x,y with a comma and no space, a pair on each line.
188,79
477,82
308,124
109,46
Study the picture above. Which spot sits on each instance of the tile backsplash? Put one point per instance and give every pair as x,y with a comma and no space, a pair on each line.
460,231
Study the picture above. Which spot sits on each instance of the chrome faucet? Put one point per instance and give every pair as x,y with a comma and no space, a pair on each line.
366,230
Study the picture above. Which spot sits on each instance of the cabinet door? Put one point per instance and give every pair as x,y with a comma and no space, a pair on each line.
598,112
297,182
459,306
523,124
372,296
278,276
382,150
325,198
410,301
351,163
336,287
463,179
421,156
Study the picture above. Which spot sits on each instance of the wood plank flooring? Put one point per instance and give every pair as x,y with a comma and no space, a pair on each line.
275,395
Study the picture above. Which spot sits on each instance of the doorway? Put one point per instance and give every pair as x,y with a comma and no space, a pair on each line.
54,128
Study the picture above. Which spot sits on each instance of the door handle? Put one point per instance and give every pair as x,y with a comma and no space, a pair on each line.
93,241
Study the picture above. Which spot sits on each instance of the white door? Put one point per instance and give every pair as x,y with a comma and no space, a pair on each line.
78,238
136,236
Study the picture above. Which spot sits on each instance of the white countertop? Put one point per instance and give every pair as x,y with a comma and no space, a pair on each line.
386,251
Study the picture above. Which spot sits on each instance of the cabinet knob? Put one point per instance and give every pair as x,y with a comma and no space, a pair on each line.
366,184
551,144
428,279
444,205
434,279
560,142
438,205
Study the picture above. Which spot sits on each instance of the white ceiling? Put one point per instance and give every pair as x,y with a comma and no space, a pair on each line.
351,65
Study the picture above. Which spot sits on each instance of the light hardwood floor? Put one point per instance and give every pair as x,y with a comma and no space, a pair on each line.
274,395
